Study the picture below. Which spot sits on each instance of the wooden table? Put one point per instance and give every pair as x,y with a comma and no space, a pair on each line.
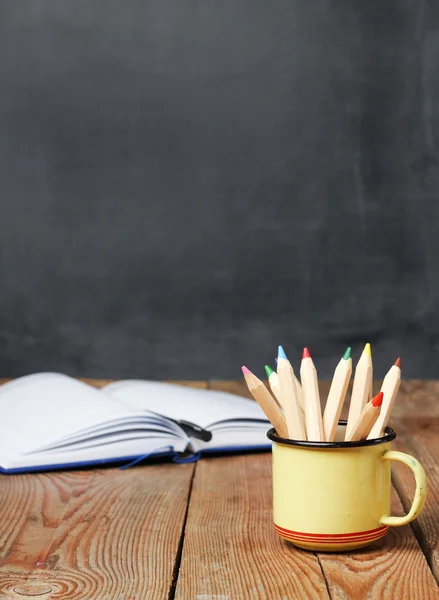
204,531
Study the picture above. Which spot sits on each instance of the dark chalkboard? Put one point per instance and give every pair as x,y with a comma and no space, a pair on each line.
186,184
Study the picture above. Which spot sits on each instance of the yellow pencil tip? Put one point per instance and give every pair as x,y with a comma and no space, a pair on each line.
367,350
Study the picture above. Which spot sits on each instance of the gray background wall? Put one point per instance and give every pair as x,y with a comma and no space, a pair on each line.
186,184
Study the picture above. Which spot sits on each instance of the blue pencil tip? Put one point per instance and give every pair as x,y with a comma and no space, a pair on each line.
281,353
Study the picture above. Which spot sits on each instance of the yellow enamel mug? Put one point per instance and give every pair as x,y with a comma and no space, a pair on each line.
335,496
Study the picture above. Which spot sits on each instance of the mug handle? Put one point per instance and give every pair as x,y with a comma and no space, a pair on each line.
421,488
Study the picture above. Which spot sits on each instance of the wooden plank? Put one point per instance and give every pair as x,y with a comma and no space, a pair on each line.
394,567
201,385
412,395
115,534
92,534
231,550
94,382
233,387
416,396
419,435
98,383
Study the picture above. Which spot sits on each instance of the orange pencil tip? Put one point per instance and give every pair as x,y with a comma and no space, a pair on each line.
305,353
397,363
378,400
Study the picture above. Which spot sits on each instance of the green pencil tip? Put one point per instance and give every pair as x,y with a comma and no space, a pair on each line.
347,355
269,371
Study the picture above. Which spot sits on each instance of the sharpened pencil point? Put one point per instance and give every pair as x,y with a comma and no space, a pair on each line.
348,354
305,353
378,400
397,363
246,371
269,371
281,353
367,350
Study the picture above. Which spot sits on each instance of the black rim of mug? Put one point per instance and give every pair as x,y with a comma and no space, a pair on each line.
390,435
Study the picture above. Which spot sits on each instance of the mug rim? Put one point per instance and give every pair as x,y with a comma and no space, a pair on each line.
388,437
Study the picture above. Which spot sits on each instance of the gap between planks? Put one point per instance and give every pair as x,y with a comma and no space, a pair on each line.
397,562
177,563
332,563
93,534
419,436
178,557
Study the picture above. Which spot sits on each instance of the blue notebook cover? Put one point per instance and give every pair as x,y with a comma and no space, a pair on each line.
126,462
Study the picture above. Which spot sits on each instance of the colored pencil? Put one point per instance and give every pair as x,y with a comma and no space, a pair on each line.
361,388
299,393
266,402
367,419
311,396
337,395
390,388
371,396
289,395
273,381
300,396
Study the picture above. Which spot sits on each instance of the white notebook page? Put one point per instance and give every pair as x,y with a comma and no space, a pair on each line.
39,409
202,407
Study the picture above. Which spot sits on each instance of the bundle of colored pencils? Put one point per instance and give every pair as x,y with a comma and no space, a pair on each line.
294,409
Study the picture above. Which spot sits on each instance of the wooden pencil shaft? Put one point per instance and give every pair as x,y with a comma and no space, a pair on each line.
290,403
336,398
360,390
299,394
271,409
364,424
313,411
268,405
390,388
273,380
276,389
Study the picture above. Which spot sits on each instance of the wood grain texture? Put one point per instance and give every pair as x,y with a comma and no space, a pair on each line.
414,396
397,563
417,397
233,387
92,535
394,567
202,385
114,535
98,383
231,551
419,435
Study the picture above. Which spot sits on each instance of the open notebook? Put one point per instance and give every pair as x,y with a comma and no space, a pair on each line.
50,421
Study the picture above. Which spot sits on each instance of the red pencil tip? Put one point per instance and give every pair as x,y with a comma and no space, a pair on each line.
306,353
378,400
397,363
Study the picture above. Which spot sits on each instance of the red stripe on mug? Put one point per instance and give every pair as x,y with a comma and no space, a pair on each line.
339,535
334,539
369,538
331,542
369,534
